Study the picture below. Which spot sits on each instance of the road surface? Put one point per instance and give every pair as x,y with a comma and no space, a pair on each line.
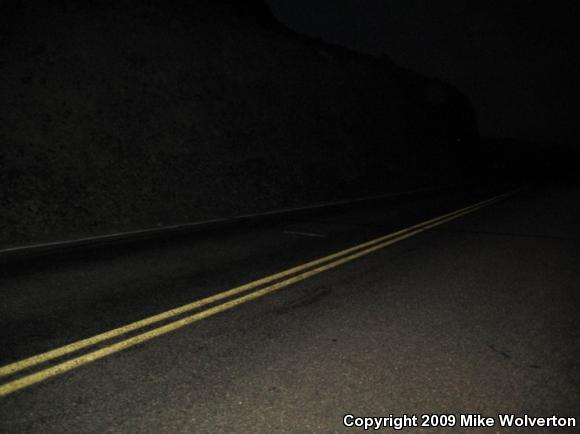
476,315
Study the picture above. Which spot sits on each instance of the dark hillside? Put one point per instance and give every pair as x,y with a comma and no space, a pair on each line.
119,115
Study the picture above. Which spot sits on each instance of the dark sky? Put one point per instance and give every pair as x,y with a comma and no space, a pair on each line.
517,60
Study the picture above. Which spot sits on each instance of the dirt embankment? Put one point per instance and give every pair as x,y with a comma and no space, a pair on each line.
131,114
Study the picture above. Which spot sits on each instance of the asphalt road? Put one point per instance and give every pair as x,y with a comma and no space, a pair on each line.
480,315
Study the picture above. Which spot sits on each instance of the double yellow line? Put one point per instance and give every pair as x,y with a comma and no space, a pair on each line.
234,295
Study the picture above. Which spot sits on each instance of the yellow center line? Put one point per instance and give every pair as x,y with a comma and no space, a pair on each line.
60,368
94,340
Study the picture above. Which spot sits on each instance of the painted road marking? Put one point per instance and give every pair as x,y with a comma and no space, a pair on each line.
304,234
94,340
333,260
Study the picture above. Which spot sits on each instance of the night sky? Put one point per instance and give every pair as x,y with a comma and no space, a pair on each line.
516,60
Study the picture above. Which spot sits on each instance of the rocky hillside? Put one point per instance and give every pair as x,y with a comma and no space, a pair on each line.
127,114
